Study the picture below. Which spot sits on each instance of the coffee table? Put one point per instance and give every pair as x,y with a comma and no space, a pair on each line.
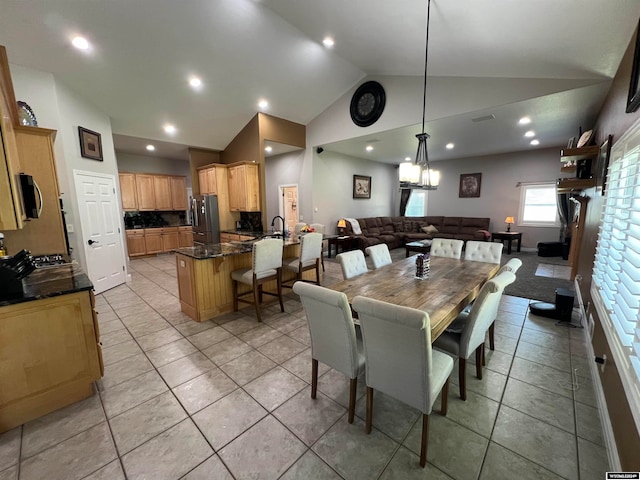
421,246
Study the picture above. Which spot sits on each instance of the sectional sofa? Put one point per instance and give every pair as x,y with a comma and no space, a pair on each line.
396,231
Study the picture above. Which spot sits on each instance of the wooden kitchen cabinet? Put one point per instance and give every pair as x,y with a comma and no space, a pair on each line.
185,236
11,215
169,238
162,192
51,356
207,177
244,187
128,191
145,190
136,243
46,234
178,187
228,237
152,240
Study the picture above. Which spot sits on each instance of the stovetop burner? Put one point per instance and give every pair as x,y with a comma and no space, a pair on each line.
50,260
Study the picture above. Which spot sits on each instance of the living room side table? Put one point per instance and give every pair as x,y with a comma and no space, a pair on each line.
509,237
344,242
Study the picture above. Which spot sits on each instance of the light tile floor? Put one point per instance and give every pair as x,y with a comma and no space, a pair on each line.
230,399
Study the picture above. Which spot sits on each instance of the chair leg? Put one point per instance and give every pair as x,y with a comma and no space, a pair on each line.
314,377
317,272
256,300
353,384
444,399
279,281
491,330
479,362
235,296
484,357
369,416
260,297
462,373
322,261
425,437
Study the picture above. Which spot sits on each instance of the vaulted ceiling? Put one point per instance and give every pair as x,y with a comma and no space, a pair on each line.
144,51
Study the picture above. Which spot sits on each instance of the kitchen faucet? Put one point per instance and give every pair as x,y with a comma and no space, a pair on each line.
273,223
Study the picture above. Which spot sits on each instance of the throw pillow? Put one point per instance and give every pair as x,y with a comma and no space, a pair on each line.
408,226
429,229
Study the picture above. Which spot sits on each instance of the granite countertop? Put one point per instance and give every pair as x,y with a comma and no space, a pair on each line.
50,282
217,250
249,233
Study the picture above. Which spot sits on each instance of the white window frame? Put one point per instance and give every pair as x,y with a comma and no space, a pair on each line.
614,288
524,187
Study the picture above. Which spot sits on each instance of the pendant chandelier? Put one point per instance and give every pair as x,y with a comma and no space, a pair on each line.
419,174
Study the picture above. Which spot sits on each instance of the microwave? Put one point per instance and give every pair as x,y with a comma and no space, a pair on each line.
31,205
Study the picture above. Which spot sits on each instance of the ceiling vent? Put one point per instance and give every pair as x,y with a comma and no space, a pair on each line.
483,119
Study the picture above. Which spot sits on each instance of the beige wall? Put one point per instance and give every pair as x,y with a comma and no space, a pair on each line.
612,121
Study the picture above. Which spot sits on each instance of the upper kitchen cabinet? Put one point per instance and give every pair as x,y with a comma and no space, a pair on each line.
162,192
207,179
244,189
178,193
11,215
145,189
146,192
44,234
128,191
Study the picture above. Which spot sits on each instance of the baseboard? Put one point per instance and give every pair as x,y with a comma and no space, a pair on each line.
605,420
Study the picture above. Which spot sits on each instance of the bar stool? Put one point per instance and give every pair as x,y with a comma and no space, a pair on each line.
309,259
267,266
319,228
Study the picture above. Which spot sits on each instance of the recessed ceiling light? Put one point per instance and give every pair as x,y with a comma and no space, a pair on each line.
328,42
195,82
268,149
263,104
80,43
168,128
369,148
530,134
524,121
450,145
535,141
151,148
407,159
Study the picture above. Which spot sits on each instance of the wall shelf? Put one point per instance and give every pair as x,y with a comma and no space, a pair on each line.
575,154
565,185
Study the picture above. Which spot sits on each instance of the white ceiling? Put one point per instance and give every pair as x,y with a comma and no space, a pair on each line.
145,50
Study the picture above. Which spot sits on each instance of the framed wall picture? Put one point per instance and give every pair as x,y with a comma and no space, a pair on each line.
90,144
603,162
361,186
633,100
470,185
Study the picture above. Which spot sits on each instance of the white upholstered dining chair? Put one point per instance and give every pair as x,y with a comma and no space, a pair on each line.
446,247
399,360
513,265
489,252
352,263
266,266
379,255
470,336
309,258
319,228
333,336
298,226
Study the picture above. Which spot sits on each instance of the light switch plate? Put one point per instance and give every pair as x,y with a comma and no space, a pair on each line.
70,228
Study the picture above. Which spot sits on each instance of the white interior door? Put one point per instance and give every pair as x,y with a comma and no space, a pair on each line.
289,205
100,220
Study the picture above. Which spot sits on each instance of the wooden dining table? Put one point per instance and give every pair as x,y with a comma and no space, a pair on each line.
452,284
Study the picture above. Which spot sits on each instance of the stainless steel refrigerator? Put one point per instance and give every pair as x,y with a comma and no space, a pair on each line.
205,219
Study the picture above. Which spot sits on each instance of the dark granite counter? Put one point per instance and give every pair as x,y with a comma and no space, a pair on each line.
50,282
216,250
248,233
156,226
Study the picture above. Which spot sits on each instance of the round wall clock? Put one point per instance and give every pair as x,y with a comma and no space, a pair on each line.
367,104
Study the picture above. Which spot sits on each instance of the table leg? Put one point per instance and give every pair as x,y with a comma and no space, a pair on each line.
509,246
407,252
519,242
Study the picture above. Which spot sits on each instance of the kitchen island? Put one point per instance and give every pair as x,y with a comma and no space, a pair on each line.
49,345
204,275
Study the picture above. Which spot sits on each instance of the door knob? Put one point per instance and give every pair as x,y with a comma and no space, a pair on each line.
91,242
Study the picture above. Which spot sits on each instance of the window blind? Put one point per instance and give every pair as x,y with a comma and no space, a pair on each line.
616,272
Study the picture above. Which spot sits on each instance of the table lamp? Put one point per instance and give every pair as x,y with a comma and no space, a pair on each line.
342,224
509,221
